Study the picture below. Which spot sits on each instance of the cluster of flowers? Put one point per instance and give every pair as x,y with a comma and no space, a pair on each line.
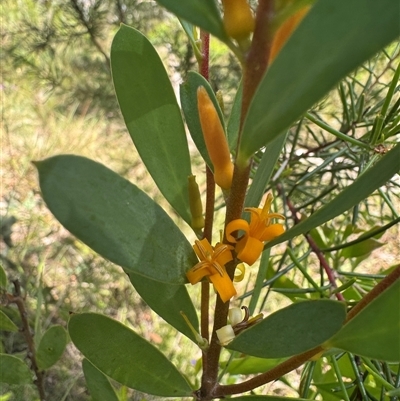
250,243
248,247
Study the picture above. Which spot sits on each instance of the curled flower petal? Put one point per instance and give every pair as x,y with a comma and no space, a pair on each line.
197,273
272,231
239,273
249,249
212,265
223,285
236,225
251,244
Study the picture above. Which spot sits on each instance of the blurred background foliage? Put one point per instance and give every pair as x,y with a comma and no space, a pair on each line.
57,97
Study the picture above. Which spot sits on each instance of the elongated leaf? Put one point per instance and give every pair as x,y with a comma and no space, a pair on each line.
233,125
98,384
115,218
375,331
152,115
363,186
202,13
6,323
333,39
249,365
123,355
51,347
264,171
188,95
292,330
14,371
167,301
362,248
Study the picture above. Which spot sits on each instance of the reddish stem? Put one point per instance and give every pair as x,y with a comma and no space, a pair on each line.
328,270
205,50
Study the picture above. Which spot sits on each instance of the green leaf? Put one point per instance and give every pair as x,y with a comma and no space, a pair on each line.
362,248
14,371
188,95
202,13
115,218
152,115
123,355
6,323
98,384
249,365
3,277
233,125
375,331
167,301
332,40
292,330
361,188
51,347
264,171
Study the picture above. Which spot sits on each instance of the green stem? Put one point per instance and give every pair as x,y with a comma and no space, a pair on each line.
337,133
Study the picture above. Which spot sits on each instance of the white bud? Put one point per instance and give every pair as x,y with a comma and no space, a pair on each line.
225,335
235,316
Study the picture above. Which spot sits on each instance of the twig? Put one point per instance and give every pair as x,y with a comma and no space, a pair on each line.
17,299
90,31
329,271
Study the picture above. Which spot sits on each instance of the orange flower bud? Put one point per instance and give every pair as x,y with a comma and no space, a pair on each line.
196,208
215,139
238,19
285,30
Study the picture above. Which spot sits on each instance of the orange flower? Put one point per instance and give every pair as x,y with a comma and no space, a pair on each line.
212,264
250,246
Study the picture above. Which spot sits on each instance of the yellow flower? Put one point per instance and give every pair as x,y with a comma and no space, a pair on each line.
212,264
260,229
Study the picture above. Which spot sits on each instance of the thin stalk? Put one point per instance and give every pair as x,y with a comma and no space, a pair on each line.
339,377
359,378
329,271
261,274
279,274
336,133
304,271
377,375
307,381
363,237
